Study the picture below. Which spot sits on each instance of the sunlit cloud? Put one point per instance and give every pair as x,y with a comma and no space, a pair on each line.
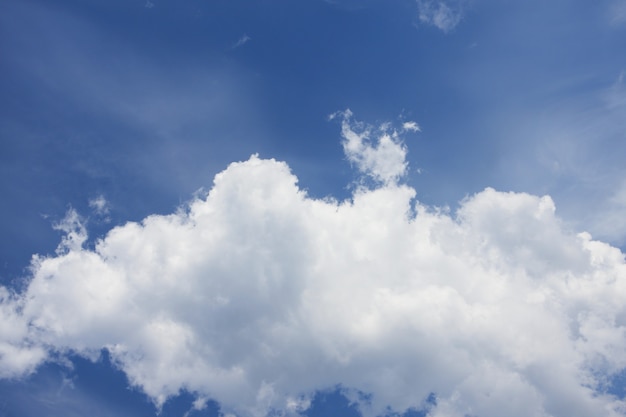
257,295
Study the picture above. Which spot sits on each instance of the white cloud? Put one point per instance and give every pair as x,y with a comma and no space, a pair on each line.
411,127
445,15
242,41
383,158
257,295
75,233
18,355
100,206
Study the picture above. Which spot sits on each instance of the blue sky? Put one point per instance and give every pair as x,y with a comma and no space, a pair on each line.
483,136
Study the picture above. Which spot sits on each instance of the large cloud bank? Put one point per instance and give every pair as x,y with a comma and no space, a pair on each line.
257,296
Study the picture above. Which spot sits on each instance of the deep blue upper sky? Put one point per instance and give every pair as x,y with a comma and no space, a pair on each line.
143,102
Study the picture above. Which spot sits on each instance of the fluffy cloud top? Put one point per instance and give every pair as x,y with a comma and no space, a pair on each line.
257,295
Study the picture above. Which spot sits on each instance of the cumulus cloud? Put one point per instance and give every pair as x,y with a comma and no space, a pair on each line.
18,355
257,295
444,15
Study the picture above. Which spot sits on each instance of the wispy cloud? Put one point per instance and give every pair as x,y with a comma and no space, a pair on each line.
100,205
257,295
579,141
443,14
617,12
242,41
101,208
411,127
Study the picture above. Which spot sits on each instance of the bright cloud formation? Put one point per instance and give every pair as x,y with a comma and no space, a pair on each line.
381,157
257,295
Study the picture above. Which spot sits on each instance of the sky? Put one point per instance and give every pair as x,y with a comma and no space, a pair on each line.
363,208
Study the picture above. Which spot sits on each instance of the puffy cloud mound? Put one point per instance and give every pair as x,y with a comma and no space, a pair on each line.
257,295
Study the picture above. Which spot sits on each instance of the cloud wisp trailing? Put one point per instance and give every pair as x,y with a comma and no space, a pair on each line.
257,295
244,39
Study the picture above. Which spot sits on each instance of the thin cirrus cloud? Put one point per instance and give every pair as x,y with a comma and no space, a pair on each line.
445,15
257,296
617,12
568,145
244,39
